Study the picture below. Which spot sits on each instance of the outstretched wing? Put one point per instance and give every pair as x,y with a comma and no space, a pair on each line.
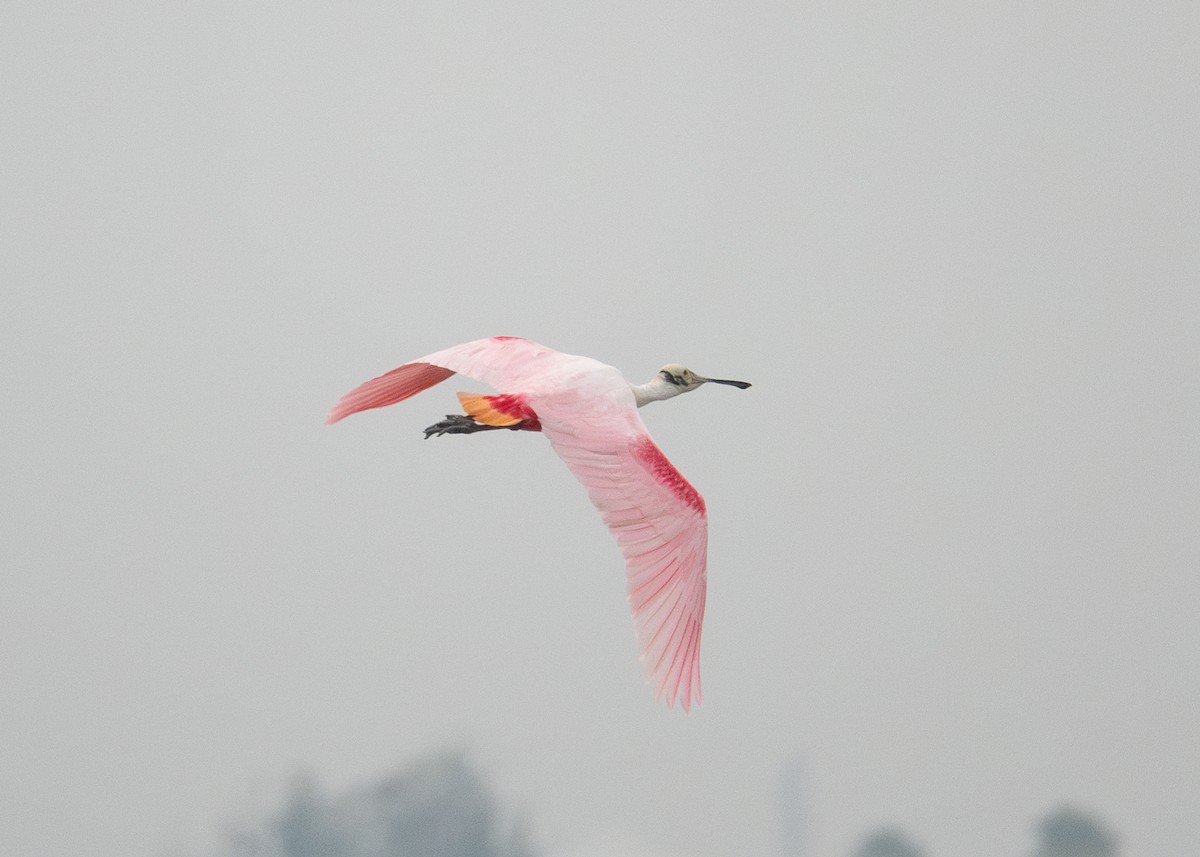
501,361
661,526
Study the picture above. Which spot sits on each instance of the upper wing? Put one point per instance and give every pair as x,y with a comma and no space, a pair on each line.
661,526
501,361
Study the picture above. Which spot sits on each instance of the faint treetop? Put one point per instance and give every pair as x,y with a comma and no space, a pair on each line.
888,842
439,807
1070,832
308,825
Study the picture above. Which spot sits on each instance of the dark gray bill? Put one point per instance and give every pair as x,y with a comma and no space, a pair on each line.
741,385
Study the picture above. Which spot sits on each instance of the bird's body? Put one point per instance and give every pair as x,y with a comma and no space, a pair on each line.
589,413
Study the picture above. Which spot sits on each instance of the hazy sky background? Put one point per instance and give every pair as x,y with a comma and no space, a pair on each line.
954,524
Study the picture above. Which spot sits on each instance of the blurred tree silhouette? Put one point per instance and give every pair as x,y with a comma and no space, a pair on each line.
887,842
1070,832
308,825
439,807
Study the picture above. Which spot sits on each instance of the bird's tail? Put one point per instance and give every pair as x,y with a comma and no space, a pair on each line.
387,389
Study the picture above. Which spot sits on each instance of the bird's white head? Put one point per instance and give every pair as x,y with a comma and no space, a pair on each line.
674,379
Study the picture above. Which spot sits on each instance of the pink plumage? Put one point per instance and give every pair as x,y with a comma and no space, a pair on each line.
589,413
395,386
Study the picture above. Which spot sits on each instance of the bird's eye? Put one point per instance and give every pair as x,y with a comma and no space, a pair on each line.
674,379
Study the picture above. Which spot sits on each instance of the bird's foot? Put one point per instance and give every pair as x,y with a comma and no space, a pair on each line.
453,424
461,424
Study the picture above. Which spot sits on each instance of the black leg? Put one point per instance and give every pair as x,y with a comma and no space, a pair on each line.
461,424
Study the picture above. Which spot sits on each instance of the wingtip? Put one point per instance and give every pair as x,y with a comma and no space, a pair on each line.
345,407
685,690
388,388
685,700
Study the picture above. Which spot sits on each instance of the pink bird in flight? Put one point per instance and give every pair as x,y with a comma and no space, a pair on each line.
588,412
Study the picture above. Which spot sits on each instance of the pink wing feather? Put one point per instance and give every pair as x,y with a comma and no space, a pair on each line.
588,413
389,388
661,526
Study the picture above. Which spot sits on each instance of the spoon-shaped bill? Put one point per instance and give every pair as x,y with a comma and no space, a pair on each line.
741,385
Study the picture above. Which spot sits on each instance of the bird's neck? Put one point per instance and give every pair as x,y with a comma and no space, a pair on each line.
654,390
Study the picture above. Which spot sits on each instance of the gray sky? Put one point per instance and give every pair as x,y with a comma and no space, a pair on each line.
954,542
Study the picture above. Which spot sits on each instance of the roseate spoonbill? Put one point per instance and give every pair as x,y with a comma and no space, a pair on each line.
588,412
